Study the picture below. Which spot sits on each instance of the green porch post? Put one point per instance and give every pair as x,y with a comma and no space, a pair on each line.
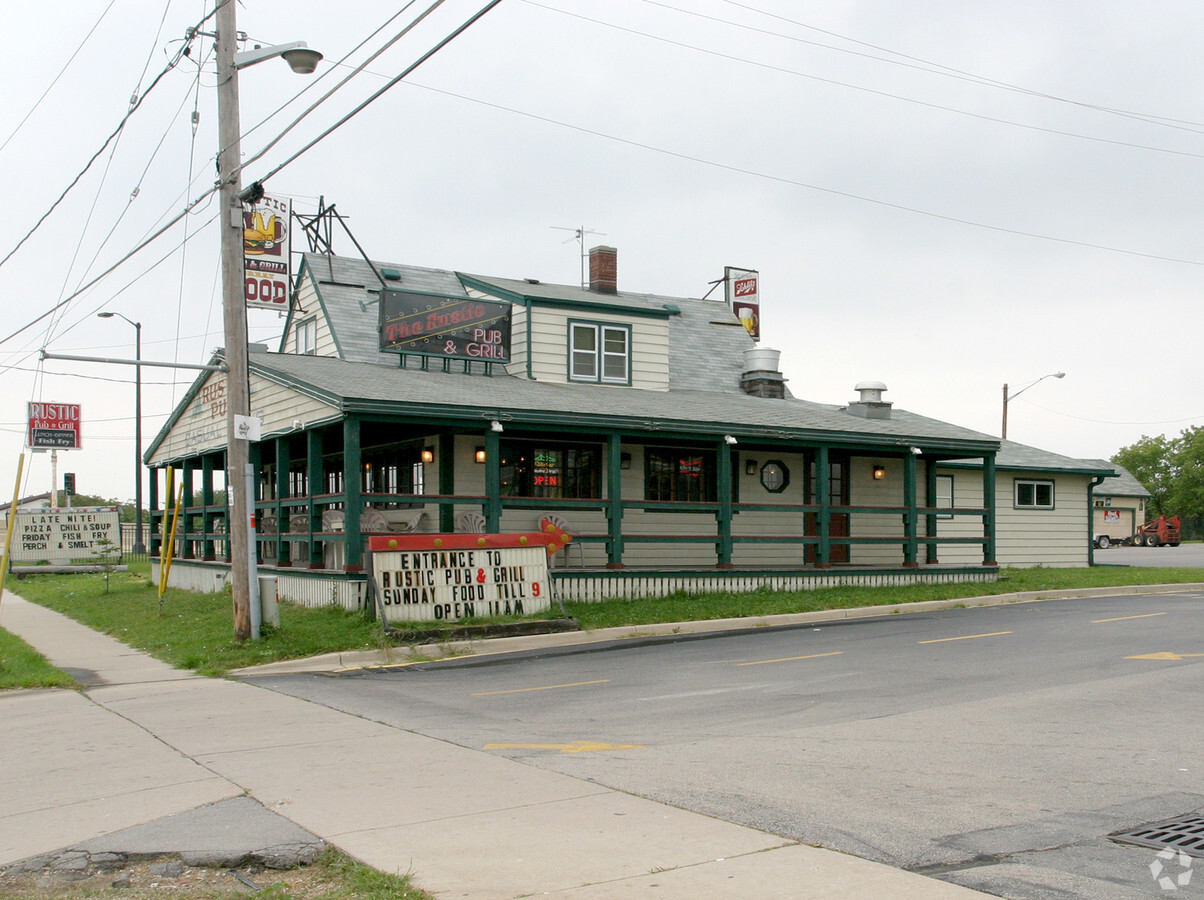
911,519
823,519
614,505
931,524
207,549
723,546
313,485
152,504
352,490
284,548
186,512
447,481
988,516
493,482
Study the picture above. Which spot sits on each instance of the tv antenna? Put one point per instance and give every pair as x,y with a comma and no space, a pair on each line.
579,236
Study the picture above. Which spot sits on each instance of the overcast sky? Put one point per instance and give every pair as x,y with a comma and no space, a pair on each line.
942,196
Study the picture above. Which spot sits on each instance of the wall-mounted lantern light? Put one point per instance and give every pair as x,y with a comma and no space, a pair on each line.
428,455
879,472
624,460
480,454
750,467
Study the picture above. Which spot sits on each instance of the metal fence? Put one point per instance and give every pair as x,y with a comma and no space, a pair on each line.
129,539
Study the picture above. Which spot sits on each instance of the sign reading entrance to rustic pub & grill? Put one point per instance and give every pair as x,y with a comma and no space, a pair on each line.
449,577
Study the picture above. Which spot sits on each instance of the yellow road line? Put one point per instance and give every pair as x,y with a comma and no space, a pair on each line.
762,662
550,687
1126,618
966,637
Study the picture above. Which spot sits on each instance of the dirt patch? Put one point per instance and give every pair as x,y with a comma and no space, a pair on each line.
167,877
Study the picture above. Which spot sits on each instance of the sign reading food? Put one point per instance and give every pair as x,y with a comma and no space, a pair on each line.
432,325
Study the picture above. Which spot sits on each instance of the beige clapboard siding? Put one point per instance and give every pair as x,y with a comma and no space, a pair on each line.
280,407
550,346
1023,537
308,308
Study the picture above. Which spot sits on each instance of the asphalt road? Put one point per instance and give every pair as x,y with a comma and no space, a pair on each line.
994,747
1190,555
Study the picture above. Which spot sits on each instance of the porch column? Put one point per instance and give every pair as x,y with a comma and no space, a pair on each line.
988,516
207,550
493,482
152,504
447,481
284,548
931,524
614,505
255,459
313,485
352,490
911,519
823,519
186,551
723,546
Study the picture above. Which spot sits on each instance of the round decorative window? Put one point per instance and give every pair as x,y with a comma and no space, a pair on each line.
775,476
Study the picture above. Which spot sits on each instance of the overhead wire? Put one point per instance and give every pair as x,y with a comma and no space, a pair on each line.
60,74
172,63
867,90
780,179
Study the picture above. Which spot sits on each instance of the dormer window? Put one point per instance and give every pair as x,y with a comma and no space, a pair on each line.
307,337
599,352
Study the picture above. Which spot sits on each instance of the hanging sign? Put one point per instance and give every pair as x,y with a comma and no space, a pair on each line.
433,325
743,289
266,241
448,577
53,426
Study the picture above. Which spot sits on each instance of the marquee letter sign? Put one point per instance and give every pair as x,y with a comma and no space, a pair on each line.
448,577
432,325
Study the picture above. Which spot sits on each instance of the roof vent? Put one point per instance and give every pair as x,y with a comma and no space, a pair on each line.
390,274
871,405
761,377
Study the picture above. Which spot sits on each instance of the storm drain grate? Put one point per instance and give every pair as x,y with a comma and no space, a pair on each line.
1185,834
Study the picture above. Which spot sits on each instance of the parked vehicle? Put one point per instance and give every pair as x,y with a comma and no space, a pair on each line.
1155,533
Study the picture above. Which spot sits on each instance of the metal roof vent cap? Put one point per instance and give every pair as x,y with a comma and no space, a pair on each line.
871,405
870,391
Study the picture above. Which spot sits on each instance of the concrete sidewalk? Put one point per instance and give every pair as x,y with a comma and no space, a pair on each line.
144,741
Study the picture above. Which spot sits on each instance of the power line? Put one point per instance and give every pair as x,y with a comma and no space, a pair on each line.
779,179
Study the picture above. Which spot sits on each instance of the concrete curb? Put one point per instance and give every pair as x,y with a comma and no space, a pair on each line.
412,655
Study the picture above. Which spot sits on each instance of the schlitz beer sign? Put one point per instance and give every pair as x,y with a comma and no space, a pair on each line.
431,325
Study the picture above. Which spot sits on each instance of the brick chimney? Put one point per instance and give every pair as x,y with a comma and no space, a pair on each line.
604,270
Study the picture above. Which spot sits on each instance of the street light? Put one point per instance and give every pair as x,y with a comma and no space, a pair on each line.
1006,397
234,314
139,546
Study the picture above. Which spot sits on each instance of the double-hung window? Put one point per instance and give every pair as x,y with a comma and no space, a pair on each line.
307,337
599,352
1034,494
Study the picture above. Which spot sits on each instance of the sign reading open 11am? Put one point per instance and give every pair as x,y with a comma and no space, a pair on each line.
449,577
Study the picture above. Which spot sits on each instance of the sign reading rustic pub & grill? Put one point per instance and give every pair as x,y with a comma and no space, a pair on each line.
433,325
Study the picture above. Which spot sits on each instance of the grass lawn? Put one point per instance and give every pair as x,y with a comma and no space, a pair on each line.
21,666
195,631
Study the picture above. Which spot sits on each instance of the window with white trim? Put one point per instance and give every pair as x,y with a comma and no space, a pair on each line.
307,337
600,353
944,495
1033,494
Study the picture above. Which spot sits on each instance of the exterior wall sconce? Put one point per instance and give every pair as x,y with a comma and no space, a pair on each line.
750,467
428,455
879,472
480,455
624,460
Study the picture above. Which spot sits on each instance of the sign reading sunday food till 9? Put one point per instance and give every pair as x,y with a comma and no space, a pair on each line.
454,577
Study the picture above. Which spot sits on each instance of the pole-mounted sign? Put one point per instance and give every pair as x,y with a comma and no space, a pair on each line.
53,426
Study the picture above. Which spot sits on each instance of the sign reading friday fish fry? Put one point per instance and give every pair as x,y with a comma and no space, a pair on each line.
266,241
449,577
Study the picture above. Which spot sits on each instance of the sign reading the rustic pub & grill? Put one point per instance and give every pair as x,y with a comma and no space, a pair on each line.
432,325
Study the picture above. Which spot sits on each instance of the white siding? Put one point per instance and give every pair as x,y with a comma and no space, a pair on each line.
1023,537
307,307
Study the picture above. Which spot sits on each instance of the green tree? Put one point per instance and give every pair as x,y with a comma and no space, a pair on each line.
1152,461
1187,499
